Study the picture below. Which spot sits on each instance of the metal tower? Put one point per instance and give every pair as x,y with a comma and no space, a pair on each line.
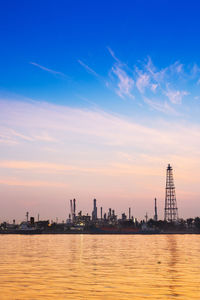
171,210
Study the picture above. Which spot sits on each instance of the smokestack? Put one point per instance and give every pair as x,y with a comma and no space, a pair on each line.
71,208
95,203
27,216
156,214
109,212
101,212
129,213
94,213
74,207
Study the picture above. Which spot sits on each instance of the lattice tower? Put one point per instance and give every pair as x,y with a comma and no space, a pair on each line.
171,210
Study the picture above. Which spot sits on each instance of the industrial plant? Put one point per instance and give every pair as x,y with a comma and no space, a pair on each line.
108,222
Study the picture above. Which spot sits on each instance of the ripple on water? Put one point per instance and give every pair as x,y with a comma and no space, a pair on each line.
100,267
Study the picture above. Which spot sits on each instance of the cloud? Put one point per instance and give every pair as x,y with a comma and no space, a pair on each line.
157,76
94,149
176,96
21,136
47,69
11,136
78,126
154,87
195,70
160,106
45,137
30,165
163,75
125,82
146,81
88,69
7,141
45,166
48,168
143,82
30,183
179,67
113,55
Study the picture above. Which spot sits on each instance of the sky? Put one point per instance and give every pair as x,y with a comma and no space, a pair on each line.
96,98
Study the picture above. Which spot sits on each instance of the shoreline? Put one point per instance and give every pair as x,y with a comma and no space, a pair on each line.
98,233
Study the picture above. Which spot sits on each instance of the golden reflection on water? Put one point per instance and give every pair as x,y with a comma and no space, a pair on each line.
100,267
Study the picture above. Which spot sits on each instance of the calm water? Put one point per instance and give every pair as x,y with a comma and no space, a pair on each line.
100,267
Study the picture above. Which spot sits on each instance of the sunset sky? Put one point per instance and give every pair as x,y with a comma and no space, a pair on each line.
96,98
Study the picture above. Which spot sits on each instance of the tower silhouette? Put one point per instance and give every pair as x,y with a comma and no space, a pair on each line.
171,210
155,209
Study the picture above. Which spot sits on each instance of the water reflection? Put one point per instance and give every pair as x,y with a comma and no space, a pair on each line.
173,257
99,267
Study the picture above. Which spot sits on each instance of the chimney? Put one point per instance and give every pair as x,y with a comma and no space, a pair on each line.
156,213
74,207
129,213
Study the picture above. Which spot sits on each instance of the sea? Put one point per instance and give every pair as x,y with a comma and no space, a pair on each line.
100,267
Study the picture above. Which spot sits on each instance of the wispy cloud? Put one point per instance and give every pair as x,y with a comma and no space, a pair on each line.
31,183
94,147
76,125
44,137
21,136
146,81
125,82
88,69
154,87
113,55
11,136
143,82
161,106
47,69
176,96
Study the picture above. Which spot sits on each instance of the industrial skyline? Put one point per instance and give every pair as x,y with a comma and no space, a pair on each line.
170,209
100,221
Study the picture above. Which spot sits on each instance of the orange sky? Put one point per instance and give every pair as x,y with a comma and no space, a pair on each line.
50,154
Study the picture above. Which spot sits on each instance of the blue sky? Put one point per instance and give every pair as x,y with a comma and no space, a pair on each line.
96,96
58,35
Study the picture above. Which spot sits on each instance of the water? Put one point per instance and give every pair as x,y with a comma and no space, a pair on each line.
100,267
